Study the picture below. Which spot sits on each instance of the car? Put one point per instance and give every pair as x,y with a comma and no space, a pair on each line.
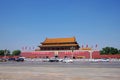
94,60
53,60
99,60
11,59
45,60
3,60
105,60
60,60
67,61
20,60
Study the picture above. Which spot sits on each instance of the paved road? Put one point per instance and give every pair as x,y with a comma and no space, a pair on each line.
59,71
60,64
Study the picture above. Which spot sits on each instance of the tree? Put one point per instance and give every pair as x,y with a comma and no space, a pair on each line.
16,52
102,52
109,50
113,50
7,52
1,52
119,51
4,52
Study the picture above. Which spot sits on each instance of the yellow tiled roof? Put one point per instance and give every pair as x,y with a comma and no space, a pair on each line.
86,48
59,45
59,40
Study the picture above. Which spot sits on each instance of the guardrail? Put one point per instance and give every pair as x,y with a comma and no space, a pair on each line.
81,60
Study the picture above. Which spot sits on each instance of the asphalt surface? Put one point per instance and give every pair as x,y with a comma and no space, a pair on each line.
61,64
78,70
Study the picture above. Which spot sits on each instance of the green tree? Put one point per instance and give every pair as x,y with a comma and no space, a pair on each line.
105,50
113,50
8,52
1,52
16,52
109,50
4,52
102,52
119,51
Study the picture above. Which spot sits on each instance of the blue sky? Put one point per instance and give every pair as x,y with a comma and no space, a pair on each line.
29,22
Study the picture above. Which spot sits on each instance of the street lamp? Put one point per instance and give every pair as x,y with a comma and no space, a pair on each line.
90,54
72,48
5,53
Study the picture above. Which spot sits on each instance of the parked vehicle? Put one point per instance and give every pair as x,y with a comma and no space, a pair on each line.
20,60
60,60
11,59
3,60
67,60
99,60
45,60
53,60
104,60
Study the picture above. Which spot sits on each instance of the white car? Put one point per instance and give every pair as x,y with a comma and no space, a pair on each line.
99,60
105,60
45,60
60,60
67,60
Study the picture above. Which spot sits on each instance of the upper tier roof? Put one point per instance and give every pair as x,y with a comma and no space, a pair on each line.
59,40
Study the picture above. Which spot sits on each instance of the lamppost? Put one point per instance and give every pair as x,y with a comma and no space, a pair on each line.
5,53
72,48
90,54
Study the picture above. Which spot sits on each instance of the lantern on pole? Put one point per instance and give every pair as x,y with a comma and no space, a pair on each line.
72,48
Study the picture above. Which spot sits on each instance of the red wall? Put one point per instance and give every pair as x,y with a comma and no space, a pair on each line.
62,54
37,54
